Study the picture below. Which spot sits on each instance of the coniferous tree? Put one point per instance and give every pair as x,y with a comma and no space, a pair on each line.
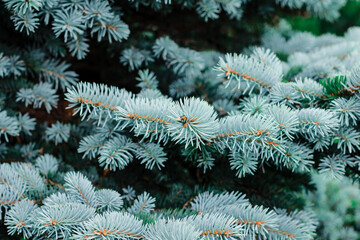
124,120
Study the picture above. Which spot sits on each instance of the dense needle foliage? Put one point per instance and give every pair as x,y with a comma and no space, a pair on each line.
179,119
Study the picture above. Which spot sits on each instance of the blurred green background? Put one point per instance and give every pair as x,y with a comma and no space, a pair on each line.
350,16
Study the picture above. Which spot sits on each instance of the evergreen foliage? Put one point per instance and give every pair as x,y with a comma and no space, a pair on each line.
197,143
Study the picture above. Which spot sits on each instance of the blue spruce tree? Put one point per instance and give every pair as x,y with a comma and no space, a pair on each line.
178,120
